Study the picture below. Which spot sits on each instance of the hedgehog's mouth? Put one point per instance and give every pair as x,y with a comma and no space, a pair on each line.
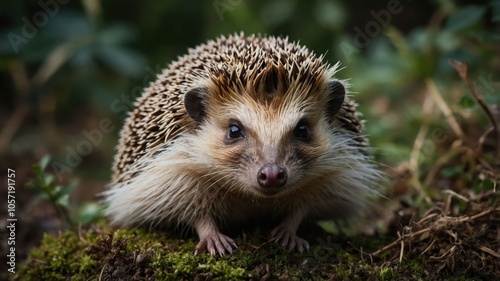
269,192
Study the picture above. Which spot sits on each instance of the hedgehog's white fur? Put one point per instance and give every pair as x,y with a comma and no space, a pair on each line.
177,172
156,195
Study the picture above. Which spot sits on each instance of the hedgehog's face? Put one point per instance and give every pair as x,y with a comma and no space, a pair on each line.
263,147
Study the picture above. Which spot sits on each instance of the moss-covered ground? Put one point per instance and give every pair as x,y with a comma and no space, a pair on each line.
134,254
102,253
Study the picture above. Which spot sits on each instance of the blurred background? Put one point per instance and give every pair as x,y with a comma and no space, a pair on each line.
70,69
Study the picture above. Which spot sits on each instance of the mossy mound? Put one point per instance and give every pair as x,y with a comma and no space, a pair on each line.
134,254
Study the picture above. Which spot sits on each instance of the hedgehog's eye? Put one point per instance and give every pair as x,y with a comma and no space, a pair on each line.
234,133
302,131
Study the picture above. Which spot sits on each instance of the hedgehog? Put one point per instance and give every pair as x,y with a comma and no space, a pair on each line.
242,128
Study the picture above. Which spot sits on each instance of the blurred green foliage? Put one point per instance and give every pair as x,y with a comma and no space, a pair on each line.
84,55
58,197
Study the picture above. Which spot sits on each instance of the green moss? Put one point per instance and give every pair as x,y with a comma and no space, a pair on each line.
416,267
385,274
140,240
59,257
136,252
178,266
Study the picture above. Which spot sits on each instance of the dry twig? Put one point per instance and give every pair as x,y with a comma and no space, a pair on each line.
445,109
461,68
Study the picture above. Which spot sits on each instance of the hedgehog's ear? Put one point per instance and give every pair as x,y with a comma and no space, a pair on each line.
336,95
194,101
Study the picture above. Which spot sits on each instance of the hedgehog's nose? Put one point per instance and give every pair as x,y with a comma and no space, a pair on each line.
271,175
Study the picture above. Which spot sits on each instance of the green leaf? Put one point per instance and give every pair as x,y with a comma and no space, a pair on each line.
330,14
122,60
37,170
42,196
44,162
63,200
68,188
55,191
467,102
48,179
486,36
57,27
420,39
117,34
465,17
487,185
452,171
447,41
90,213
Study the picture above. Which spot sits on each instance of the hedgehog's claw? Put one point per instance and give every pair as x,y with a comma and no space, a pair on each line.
216,243
289,239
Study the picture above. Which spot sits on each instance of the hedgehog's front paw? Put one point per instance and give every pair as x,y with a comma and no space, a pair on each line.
216,243
289,239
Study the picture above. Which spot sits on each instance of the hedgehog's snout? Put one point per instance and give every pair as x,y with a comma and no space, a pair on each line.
272,175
